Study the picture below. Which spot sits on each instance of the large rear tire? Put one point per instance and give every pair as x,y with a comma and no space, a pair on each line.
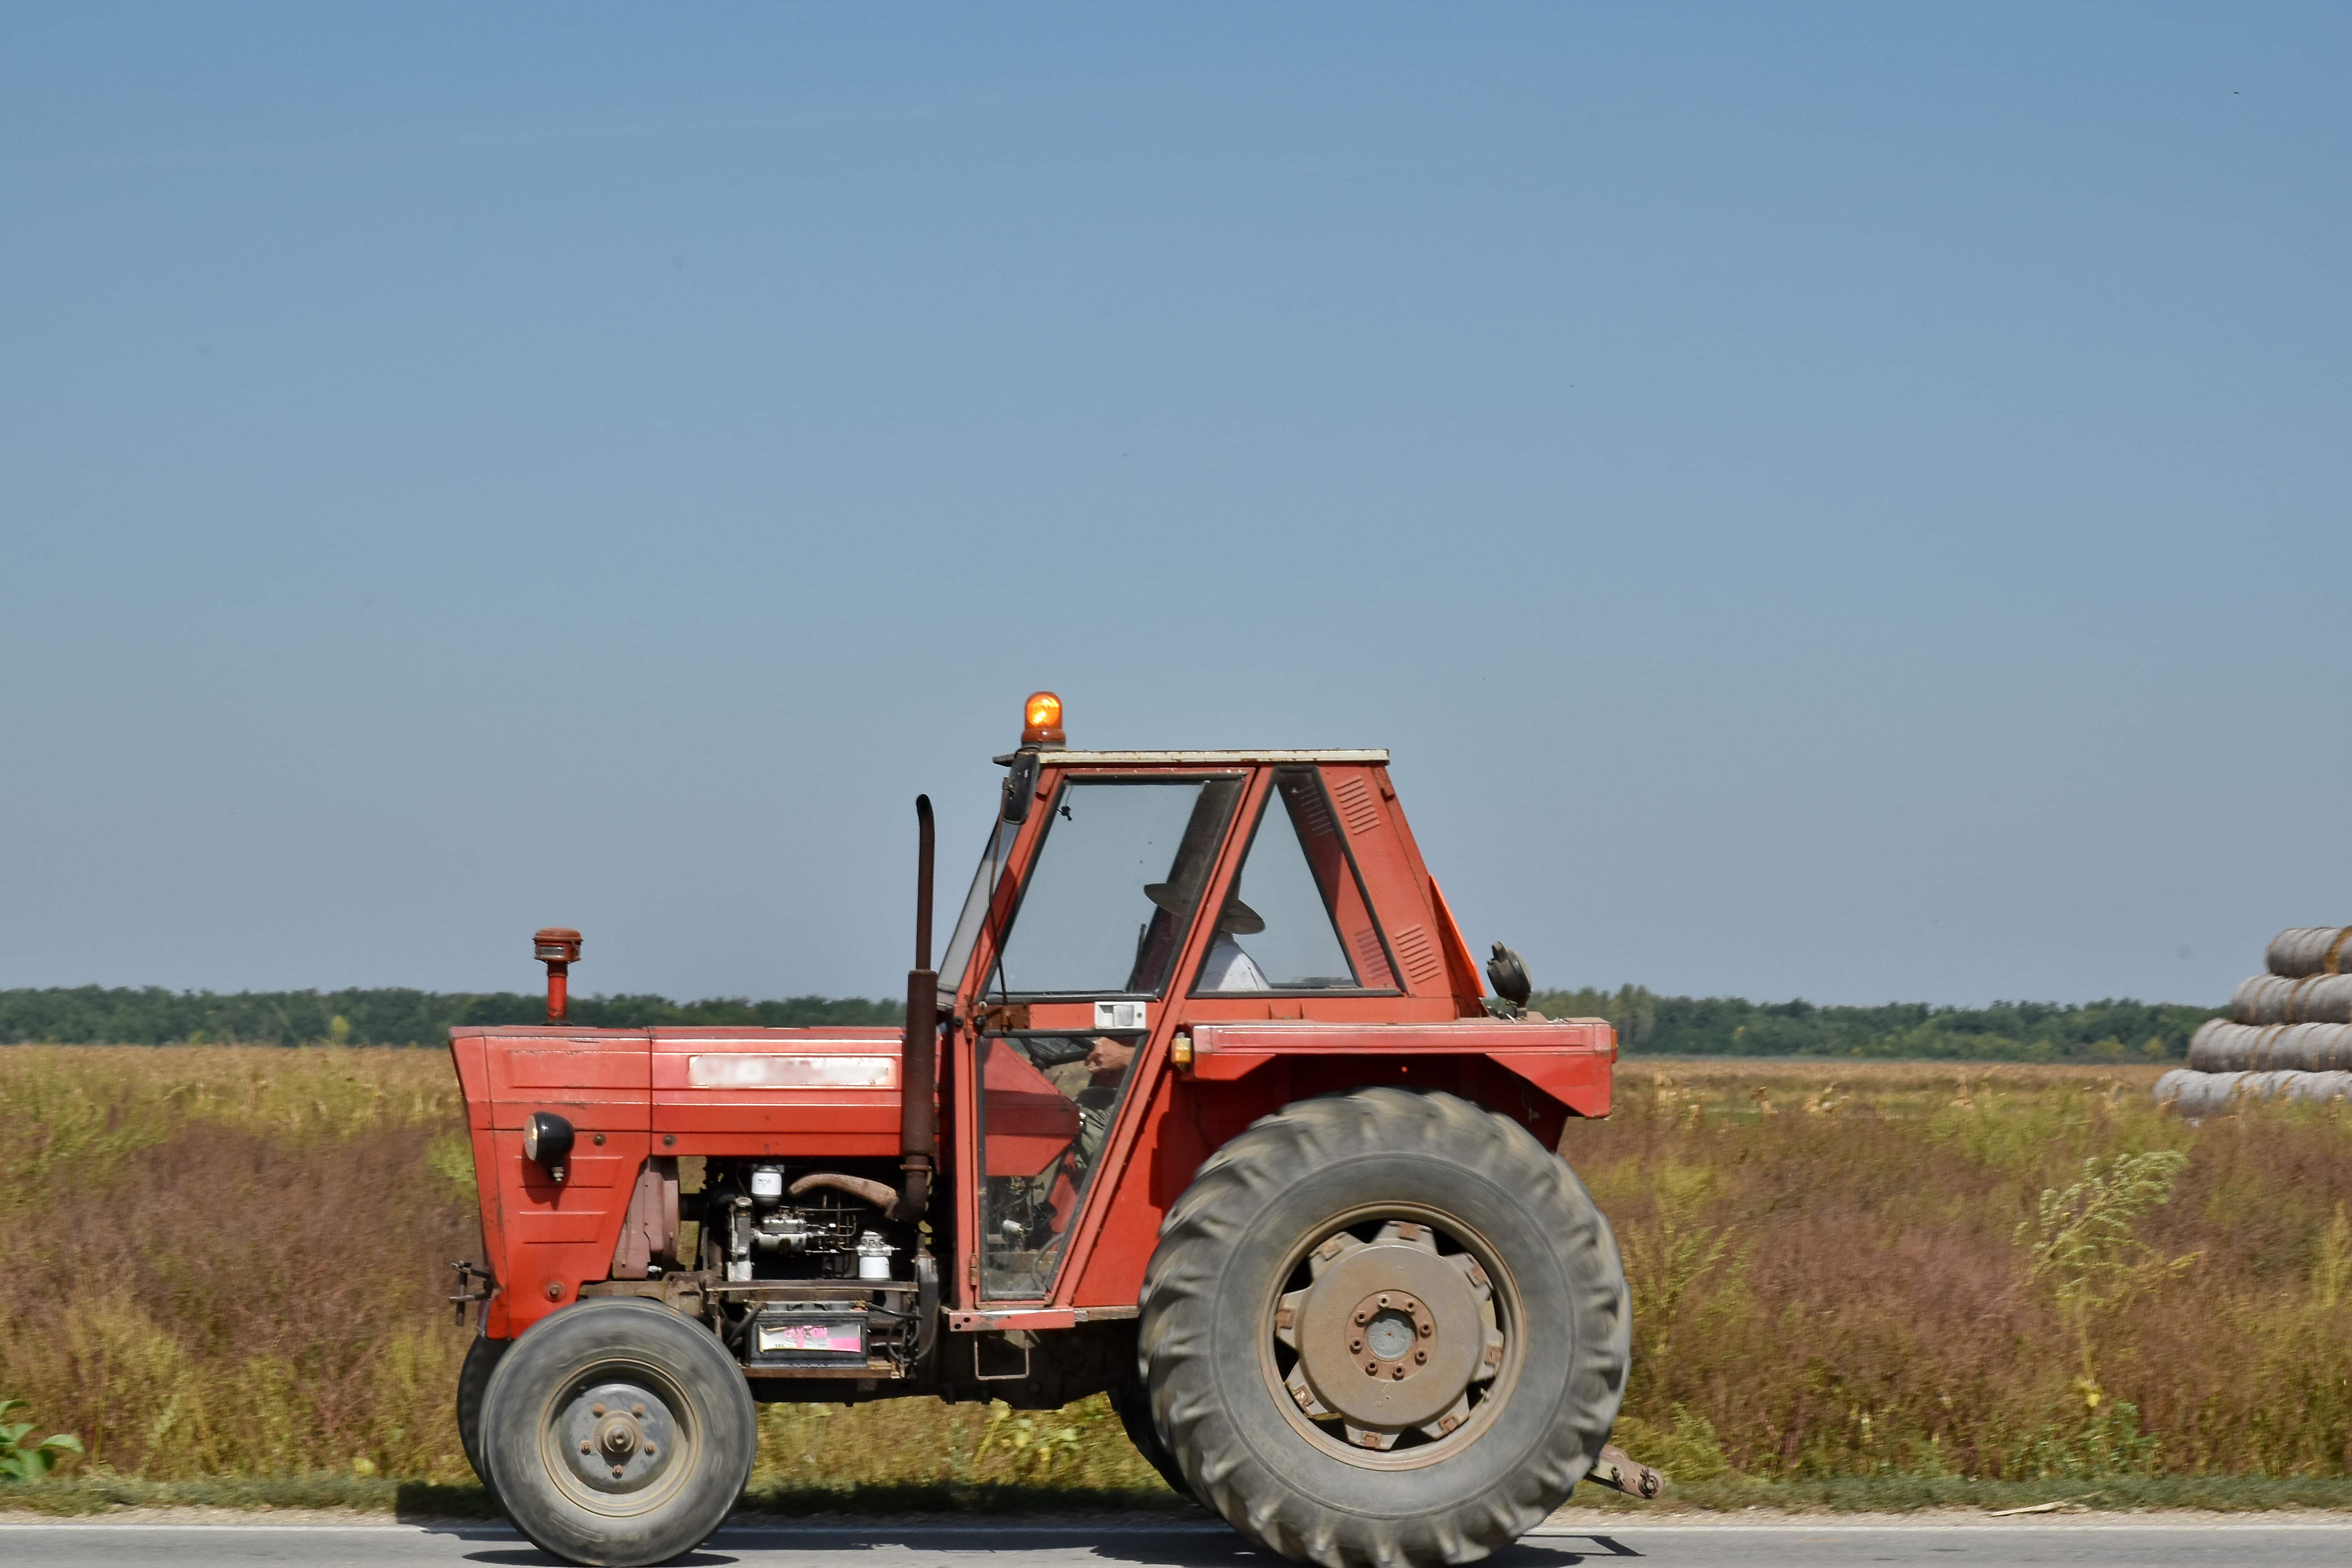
619,1432
473,1382
1384,1330
1133,1405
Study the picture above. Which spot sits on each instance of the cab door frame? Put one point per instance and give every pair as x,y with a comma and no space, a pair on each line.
1144,1077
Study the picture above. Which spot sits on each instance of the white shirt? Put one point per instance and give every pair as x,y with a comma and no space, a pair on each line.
1228,968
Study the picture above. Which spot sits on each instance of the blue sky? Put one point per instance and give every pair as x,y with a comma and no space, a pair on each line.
1841,502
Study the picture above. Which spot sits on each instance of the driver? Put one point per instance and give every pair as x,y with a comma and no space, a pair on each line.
1227,968
1094,1084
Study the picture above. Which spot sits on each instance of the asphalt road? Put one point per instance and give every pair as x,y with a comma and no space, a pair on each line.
2107,1542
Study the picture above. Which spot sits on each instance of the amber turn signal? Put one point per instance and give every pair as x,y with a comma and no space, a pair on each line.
1041,720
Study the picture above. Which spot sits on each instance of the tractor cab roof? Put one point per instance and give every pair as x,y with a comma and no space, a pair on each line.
1068,759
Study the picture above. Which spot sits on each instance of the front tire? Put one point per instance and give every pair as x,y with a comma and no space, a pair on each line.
1384,1330
618,1434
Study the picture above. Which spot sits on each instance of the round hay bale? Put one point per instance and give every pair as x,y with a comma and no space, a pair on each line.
2320,1088
2194,1093
2277,999
2312,950
2221,1045
2199,1093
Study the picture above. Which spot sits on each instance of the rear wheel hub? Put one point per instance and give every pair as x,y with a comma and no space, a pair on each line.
1390,1336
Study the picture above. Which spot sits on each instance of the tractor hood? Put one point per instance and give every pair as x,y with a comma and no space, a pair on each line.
816,1093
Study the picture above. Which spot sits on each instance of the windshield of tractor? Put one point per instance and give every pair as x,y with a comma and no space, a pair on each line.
975,906
1113,887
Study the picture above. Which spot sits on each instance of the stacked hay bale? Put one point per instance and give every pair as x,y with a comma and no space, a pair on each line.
2288,1035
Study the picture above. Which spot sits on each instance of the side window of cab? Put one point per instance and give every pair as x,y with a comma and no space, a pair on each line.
1295,919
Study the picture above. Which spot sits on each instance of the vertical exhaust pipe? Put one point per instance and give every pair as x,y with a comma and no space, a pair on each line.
919,1067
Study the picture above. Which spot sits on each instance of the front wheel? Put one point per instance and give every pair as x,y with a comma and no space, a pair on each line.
618,1434
1383,1329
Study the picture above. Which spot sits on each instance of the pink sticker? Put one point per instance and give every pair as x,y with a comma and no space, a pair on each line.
812,1337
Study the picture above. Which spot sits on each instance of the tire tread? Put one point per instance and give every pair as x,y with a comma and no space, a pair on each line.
1180,1308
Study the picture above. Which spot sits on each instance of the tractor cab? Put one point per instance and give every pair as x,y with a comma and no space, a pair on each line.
1142,922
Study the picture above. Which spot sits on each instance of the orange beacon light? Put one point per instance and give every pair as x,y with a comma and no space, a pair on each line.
1041,720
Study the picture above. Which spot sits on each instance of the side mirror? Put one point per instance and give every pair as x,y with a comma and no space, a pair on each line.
1019,787
547,1141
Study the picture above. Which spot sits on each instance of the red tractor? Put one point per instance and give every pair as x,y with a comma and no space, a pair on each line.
1203,1109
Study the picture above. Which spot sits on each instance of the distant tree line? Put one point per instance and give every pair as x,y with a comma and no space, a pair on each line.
1646,1023
2114,1031
151,1016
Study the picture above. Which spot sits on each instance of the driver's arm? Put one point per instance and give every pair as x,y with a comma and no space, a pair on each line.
1109,1056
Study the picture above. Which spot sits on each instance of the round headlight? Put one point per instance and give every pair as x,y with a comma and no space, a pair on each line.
546,1138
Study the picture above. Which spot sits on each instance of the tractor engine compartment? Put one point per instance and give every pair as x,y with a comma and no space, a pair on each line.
765,1220
803,1270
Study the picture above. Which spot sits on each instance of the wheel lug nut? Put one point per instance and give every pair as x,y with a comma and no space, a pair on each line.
584,1448
1363,1317
1427,1329
638,1411
650,1450
595,1410
1384,1300
1417,1356
616,1472
1398,1373
1371,1369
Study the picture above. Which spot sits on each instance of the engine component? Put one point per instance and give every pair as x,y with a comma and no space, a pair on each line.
878,1193
767,1184
805,1230
874,1256
783,1230
738,1241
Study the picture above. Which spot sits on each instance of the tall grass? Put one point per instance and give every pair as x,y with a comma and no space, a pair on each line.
1841,1278
229,1262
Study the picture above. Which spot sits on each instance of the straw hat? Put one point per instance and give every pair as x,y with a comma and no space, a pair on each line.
1239,919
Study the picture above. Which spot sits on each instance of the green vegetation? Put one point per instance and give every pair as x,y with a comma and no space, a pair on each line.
1857,1285
151,1016
1646,1023
2112,1031
2088,1253
24,1458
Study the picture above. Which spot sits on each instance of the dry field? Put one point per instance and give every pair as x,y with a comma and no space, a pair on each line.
229,1262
